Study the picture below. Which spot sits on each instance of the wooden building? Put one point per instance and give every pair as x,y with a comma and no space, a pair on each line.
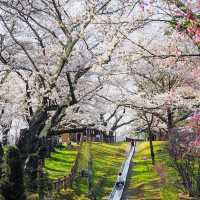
65,138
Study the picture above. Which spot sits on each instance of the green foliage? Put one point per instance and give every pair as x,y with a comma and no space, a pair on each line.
1,159
188,168
183,26
42,153
31,166
198,15
1,152
2,198
168,33
44,185
12,185
33,197
173,23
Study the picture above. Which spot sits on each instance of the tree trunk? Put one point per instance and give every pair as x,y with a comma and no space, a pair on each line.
151,147
28,140
169,120
169,125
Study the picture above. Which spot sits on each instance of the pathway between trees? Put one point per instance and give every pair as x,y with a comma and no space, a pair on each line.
117,194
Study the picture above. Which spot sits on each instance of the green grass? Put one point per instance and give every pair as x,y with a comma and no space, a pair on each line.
145,182
106,163
80,185
60,163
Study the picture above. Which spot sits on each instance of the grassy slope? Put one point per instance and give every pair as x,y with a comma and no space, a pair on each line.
106,162
144,182
60,163
80,186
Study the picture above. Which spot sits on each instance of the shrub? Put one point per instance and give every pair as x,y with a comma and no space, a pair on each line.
12,185
33,197
186,159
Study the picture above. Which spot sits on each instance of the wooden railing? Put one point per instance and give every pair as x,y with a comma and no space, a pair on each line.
62,183
67,181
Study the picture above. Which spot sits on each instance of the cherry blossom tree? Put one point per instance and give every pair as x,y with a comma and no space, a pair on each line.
52,58
48,45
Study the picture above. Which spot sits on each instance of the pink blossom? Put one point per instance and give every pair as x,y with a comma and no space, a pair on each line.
198,31
194,143
196,39
191,30
142,6
189,15
195,117
178,25
198,3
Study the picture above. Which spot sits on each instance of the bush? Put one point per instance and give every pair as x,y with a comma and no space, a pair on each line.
188,168
33,197
12,185
31,166
2,198
186,159
1,159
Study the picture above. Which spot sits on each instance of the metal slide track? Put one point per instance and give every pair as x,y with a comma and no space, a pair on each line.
117,194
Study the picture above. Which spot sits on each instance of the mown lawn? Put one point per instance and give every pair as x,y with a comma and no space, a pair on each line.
148,183
81,186
60,163
106,163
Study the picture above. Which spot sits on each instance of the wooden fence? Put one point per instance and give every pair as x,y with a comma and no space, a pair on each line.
67,181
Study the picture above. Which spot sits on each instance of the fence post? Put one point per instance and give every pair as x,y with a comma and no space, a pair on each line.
65,182
68,180
55,184
59,184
